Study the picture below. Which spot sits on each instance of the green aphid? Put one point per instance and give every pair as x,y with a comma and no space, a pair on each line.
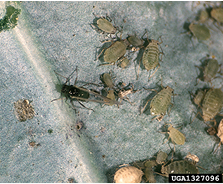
107,80
199,97
160,103
161,157
201,32
150,58
203,17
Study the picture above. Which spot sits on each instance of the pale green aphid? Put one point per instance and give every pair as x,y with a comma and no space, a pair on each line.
203,16
160,102
115,52
199,97
179,167
135,41
150,58
176,136
107,80
211,70
211,105
161,157
201,32
105,25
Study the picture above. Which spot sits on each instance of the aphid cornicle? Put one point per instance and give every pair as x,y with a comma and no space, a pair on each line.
201,32
150,58
104,24
129,174
160,102
179,167
78,94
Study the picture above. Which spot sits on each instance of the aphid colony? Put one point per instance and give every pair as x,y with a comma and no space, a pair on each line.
146,170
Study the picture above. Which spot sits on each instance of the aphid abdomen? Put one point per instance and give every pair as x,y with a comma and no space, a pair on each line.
181,167
212,104
160,102
115,52
150,57
211,70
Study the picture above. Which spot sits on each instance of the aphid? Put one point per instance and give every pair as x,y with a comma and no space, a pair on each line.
211,69
135,41
123,63
211,105
111,95
161,157
175,135
104,24
199,97
129,174
192,157
160,102
107,80
74,92
217,14
149,174
220,134
179,167
203,17
24,110
150,58
150,163
115,52
201,32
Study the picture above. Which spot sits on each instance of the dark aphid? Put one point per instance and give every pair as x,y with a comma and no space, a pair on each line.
104,24
179,167
200,31
160,102
79,94
150,58
161,157
220,134
24,110
129,174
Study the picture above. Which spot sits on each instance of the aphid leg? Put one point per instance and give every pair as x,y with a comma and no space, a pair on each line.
100,54
138,68
196,116
108,18
151,90
56,99
217,147
84,106
103,64
145,105
170,109
154,72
